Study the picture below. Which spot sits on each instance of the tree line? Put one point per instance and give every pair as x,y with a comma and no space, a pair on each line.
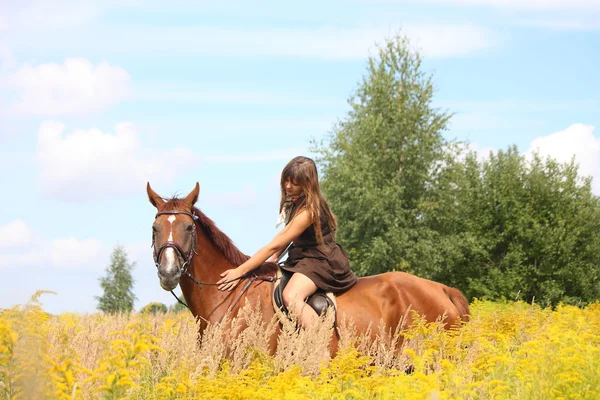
503,226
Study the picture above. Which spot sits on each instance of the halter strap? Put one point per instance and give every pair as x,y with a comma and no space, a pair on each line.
187,259
193,216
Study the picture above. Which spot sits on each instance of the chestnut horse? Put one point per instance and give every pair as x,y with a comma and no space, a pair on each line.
190,251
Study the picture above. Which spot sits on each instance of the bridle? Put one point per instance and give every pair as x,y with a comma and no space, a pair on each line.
187,259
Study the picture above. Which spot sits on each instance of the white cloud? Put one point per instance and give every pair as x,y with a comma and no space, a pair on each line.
88,164
15,234
73,88
22,247
577,140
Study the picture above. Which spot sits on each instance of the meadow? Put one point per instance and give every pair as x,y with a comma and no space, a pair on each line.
508,350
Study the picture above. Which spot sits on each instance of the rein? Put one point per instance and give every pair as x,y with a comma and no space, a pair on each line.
188,259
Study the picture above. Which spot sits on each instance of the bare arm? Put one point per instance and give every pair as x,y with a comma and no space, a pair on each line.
298,225
277,253
275,256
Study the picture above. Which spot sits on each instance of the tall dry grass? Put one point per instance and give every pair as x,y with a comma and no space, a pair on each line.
508,350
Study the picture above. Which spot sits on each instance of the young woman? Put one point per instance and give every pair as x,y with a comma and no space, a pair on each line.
315,259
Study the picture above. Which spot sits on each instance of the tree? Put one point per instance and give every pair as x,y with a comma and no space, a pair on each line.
380,162
154,308
407,199
522,227
117,284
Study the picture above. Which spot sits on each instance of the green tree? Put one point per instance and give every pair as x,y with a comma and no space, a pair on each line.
379,163
408,199
117,285
154,308
520,228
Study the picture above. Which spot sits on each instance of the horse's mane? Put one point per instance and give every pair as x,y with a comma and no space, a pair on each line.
221,241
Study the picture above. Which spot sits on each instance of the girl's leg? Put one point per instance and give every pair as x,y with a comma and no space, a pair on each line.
296,291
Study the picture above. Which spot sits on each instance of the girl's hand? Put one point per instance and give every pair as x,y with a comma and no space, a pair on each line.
229,275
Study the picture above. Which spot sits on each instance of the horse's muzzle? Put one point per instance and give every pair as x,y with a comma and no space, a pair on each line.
169,280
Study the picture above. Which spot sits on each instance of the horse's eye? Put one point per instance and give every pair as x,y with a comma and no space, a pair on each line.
154,229
190,228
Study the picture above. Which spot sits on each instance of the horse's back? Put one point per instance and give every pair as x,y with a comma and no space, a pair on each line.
389,296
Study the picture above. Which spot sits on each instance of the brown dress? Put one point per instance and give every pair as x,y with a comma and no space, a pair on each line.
326,265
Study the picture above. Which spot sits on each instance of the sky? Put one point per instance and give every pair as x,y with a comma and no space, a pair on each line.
99,97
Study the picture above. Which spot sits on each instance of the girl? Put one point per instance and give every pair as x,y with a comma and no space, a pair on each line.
315,259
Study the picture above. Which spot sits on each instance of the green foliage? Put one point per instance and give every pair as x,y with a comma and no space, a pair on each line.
508,226
153,308
117,284
381,160
519,228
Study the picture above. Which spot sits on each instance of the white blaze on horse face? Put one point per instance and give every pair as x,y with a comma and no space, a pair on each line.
171,219
170,252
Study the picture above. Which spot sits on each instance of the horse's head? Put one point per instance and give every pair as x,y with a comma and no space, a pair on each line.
173,236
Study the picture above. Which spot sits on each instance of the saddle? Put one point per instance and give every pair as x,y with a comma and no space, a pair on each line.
320,301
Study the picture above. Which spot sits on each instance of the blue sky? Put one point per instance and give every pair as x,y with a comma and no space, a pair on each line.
96,98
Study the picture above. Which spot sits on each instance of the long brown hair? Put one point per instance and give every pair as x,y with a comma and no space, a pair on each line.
302,171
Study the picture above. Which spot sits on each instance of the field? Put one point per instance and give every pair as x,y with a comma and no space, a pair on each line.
510,350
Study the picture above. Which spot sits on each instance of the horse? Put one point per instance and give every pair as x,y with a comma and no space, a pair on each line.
190,251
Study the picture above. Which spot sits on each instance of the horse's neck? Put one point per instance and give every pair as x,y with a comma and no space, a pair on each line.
206,301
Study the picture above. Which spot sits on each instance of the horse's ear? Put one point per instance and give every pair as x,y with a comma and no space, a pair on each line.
154,198
192,198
